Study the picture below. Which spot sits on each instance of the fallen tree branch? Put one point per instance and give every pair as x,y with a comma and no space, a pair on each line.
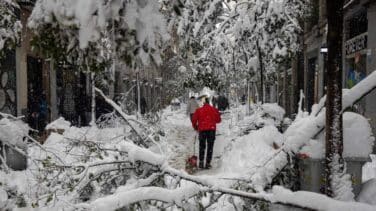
122,199
122,114
28,137
303,129
4,162
124,196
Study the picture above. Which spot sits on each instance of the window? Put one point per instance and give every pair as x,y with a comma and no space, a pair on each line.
357,24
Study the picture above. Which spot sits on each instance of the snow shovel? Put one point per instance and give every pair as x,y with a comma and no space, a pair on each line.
191,162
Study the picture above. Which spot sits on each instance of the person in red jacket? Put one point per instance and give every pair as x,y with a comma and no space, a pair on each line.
204,120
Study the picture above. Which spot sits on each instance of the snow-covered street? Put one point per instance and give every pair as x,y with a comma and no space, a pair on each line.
236,155
247,153
182,137
187,105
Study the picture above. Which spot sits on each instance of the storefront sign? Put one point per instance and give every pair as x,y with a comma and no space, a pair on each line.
356,44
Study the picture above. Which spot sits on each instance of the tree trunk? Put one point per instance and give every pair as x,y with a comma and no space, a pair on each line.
334,164
261,95
138,96
285,90
248,97
92,77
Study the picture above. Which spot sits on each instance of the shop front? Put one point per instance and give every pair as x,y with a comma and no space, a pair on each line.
355,48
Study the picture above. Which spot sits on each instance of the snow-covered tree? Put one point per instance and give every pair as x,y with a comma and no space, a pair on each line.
94,35
10,26
337,182
229,35
133,30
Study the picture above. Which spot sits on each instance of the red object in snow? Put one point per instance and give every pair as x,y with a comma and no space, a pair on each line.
302,155
191,164
206,118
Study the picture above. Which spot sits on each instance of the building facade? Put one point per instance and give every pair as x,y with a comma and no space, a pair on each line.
359,52
27,77
314,56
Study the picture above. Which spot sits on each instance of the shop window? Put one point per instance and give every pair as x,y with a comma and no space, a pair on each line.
356,70
357,24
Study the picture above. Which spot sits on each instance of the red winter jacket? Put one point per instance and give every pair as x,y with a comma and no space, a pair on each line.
206,118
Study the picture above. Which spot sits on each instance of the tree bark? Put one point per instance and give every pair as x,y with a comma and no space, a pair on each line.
138,96
261,95
93,114
334,163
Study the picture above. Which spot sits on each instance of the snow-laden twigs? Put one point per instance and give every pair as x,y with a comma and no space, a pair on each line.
11,116
123,115
122,199
125,196
4,162
178,196
26,135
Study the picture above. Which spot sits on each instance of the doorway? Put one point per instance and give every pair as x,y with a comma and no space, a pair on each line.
35,93
310,92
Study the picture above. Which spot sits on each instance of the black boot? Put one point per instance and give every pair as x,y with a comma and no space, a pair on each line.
208,166
201,165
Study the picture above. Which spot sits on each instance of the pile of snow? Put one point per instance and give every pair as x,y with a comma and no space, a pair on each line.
251,151
13,132
175,101
3,198
274,110
14,186
368,192
59,124
59,144
269,114
315,201
46,174
369,169
358,138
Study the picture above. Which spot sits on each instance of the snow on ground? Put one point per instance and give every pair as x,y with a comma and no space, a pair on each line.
250,151
368,193
181,137
239,151
235,154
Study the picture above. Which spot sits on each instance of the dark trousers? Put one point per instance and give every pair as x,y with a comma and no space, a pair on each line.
206,139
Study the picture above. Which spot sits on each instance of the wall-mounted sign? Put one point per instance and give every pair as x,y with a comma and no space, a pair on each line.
356,44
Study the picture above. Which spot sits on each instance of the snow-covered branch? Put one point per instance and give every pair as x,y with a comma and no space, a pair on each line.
126,196
303,129
314,201
121,112
118,200
361,89
10,27
99,29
